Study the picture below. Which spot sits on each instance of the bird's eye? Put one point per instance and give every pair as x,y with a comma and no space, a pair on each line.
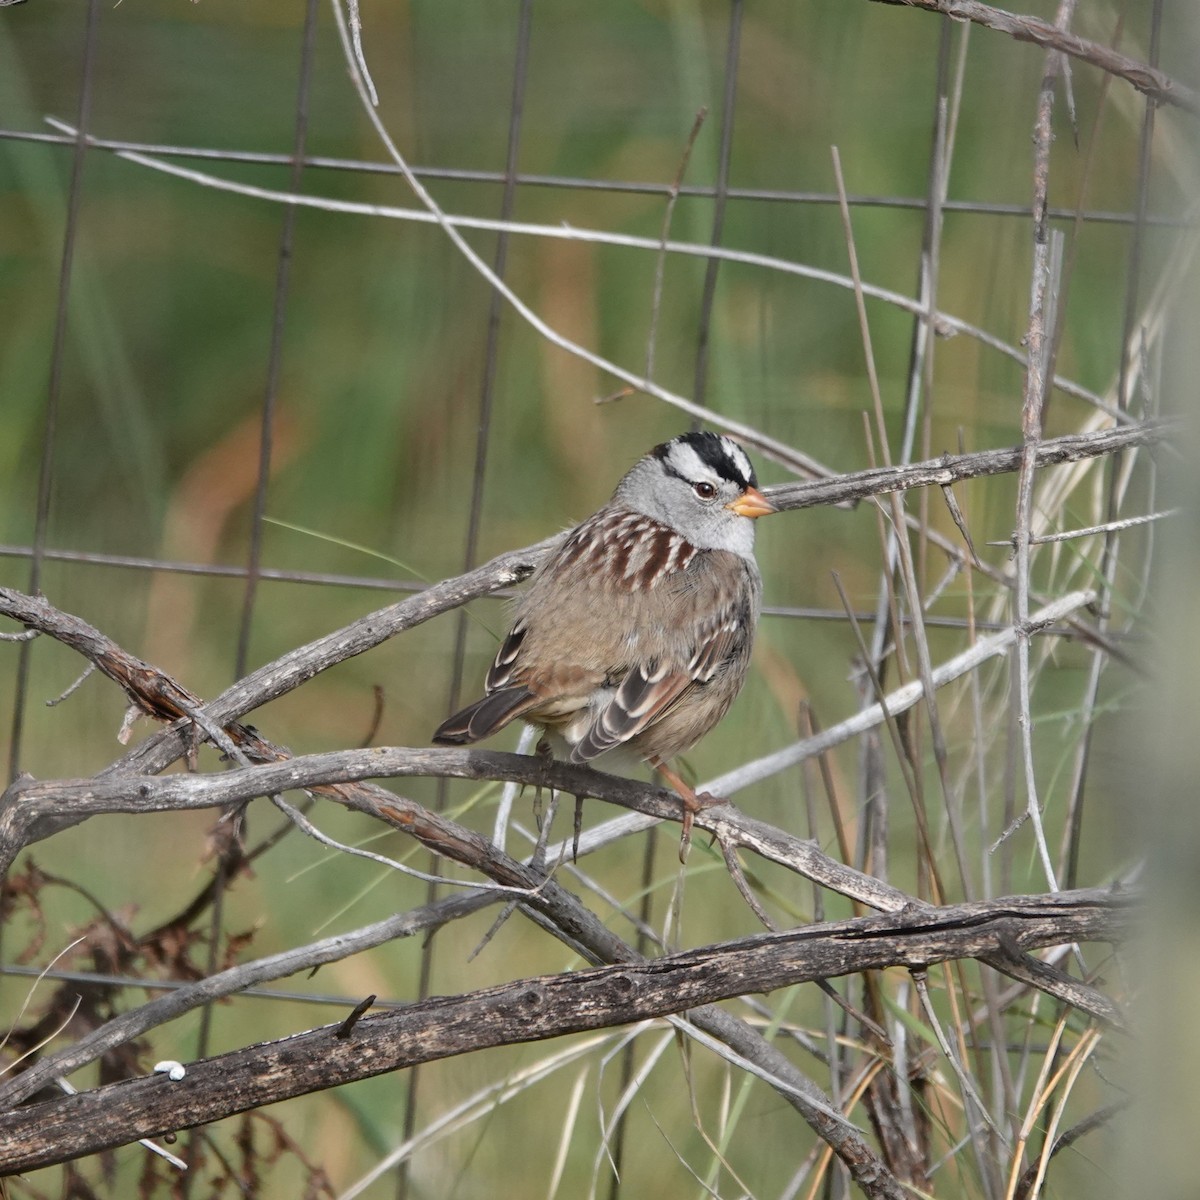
704,489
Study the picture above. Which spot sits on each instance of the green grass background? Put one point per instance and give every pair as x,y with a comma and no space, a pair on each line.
164,371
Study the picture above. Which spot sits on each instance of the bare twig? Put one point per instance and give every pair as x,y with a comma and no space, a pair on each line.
731,827
35,810
897,701
54,701
360,59
1152,82
949,469
26,635
165,700
1092,530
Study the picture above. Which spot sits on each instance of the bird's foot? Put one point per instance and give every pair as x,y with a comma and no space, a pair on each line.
692,802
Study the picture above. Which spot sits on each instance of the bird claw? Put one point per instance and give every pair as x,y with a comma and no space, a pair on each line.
693,803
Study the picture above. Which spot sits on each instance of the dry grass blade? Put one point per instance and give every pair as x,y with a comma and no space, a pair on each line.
25,1006
479,1106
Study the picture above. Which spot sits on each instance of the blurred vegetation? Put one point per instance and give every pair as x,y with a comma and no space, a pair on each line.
164,370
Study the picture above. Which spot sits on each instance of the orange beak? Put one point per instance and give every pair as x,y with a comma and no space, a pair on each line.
752,503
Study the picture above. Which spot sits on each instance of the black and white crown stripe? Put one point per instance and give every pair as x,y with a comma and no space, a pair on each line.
696,456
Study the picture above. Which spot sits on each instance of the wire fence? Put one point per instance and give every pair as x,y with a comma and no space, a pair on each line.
238,360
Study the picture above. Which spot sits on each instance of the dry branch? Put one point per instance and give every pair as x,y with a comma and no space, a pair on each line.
955,468
543,896
1150,81
540,1008
268,682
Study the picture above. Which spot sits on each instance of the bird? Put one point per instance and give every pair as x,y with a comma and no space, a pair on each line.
634,636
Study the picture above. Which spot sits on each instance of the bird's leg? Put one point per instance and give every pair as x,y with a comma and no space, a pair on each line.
545,757
692,804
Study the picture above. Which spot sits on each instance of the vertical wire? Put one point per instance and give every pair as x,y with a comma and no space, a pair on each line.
492,349
253,566
708,296
642,945
873,830
475,515
45,487
283,272
1108,557
1139,222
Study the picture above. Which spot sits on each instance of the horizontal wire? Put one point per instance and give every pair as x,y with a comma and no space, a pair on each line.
220,570
274,575
576,183
171,985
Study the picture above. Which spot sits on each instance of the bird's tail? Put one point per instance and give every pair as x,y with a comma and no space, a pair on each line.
484,717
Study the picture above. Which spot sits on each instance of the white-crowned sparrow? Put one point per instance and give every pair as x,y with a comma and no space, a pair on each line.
636,631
